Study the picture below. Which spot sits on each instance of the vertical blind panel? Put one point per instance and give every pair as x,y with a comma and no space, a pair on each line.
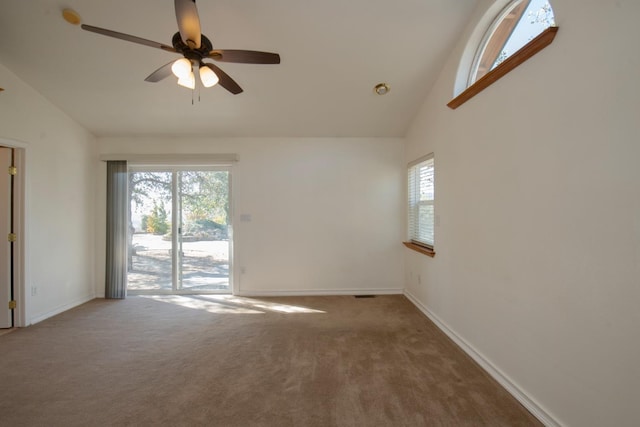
116,251
421,192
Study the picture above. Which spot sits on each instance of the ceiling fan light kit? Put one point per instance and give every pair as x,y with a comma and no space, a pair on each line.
182,68
188,81
208,77
195,47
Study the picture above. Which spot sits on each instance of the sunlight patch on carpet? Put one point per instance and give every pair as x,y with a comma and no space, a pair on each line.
229,304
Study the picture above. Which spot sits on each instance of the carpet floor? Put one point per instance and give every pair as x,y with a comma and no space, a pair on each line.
233,361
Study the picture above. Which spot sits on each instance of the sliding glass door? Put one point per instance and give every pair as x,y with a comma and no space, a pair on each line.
179,239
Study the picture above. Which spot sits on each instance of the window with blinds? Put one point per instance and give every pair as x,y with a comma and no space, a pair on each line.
421,201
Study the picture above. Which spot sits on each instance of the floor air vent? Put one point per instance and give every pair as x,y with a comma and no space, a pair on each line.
364,296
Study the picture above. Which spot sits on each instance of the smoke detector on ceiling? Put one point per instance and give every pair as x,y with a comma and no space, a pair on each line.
381,89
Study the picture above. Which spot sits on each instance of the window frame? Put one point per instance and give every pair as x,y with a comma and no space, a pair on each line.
538,43
413,205
495,38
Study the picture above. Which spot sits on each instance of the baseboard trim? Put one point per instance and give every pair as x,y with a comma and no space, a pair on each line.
61,308
318,292
491,369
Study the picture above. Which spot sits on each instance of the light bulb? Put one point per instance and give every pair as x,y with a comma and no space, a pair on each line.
181,68
189,81
208,77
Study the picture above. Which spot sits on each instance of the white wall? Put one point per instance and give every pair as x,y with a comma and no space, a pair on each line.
538,198
60,163
324,211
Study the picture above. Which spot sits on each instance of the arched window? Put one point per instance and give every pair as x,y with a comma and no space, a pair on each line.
519,30
519,23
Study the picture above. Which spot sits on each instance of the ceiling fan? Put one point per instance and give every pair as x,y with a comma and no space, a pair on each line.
195,48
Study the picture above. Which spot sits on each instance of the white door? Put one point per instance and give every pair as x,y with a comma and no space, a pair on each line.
6,316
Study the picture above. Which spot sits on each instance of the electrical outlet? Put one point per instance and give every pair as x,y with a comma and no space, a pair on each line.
34,291
419,279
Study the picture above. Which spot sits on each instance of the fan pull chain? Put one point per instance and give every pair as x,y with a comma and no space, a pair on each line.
193,96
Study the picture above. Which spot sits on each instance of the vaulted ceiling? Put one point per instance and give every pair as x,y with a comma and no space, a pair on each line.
333,53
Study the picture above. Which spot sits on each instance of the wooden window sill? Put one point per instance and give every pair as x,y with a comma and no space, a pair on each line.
425,251
527,51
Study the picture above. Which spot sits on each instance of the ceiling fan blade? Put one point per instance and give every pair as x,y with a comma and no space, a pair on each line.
188,22
160,74
127,37
244,56
225,81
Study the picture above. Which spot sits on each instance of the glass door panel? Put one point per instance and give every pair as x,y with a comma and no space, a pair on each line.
203,230
150,249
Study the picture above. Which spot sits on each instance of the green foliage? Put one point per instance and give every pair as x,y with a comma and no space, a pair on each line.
206,224
144,222
203,195
157,221
143,185
204,229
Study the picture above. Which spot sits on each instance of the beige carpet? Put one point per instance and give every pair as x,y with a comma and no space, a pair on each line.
203,360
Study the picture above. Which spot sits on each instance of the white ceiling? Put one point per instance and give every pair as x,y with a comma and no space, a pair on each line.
333,53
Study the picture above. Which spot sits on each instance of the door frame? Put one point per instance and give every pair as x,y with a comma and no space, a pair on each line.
174,168
20,228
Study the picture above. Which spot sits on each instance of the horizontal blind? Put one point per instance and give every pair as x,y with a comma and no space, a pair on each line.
421,192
